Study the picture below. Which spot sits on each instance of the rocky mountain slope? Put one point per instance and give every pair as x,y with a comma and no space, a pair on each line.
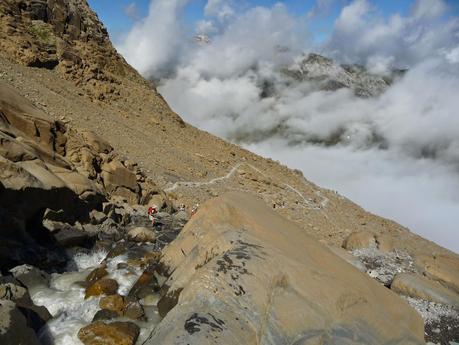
68,102
331,76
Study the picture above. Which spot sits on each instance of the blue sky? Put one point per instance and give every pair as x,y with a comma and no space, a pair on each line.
114,15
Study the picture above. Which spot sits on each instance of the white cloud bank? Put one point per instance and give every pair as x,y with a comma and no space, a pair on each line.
235,88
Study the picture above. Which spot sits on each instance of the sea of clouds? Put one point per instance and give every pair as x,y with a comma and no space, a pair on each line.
234,87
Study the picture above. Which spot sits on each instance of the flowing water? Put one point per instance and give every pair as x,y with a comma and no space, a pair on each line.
65,297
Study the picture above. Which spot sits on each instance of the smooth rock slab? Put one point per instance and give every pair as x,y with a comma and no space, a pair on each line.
241,274
416,286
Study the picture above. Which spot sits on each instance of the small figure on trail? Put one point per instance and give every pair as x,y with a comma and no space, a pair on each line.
152,210
194,209
182,207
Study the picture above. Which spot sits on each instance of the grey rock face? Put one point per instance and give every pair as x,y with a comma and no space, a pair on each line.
331,76
13,326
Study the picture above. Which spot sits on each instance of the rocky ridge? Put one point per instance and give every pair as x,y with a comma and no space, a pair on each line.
330,76
48,165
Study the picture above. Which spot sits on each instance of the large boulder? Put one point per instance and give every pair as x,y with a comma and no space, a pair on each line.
115,175
442,268
413,285
142,234
241,274
359,240
96,142
102,286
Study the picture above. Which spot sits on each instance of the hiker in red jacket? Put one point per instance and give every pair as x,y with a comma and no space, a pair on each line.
152,210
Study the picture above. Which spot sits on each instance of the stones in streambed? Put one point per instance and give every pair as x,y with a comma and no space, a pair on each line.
114,303
105,314
96,274
417,286
114,333
104,286
142,234
145,285
123,306
119,248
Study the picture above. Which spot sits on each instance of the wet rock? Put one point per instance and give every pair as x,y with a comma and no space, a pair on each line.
150,300
142,234
115,333
145,285
144,260
132,309
105,314
13,326
113,303
96,274
122,266
104,286
123,306
416,286
358,240
120,248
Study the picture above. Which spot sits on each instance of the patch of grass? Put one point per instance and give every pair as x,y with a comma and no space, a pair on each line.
41,31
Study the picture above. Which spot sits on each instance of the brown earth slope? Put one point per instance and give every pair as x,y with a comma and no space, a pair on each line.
58,55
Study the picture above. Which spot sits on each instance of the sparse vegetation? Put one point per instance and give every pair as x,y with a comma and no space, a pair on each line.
41,31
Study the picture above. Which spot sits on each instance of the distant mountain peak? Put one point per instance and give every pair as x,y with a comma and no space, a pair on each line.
331,76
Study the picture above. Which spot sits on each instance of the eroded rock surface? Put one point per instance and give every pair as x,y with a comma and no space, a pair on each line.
52,176
416,286
240,274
